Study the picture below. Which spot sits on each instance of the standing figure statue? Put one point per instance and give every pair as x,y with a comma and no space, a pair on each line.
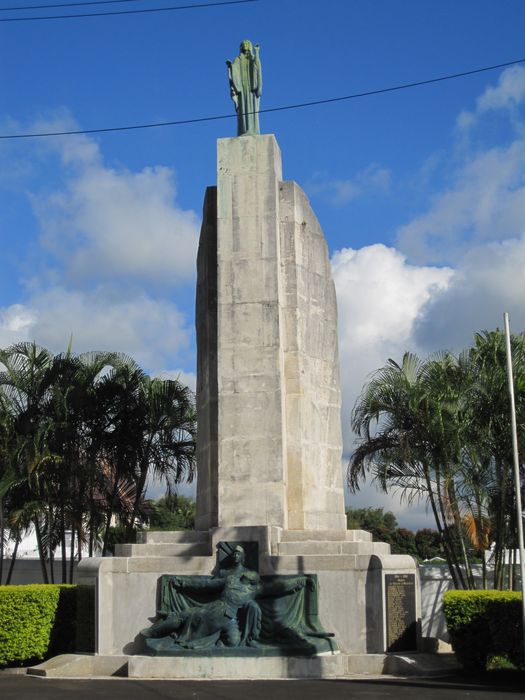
245,77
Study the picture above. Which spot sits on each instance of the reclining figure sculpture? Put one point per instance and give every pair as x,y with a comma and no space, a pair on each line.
238,609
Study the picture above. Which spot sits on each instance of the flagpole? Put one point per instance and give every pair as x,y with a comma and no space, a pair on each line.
517,480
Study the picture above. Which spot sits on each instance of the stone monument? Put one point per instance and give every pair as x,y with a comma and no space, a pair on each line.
269,447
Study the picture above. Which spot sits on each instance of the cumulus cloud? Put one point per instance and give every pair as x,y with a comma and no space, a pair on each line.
484,196
372,180
507,94
488,281
380,297
486,201
16,322
107,222
117,244
152,331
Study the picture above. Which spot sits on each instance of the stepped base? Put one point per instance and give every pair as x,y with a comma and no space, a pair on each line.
353,574
325,666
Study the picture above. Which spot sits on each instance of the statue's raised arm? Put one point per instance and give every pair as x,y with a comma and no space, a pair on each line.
245,77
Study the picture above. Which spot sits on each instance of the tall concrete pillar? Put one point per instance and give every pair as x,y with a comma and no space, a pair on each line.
268,399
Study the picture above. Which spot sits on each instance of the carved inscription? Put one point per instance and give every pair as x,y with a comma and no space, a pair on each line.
400,612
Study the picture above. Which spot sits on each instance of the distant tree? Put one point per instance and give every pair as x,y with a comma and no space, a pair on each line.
381,525
404,542
428,543
173,512
383,528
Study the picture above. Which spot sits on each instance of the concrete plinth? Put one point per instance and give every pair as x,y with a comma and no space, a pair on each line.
217,668
350,569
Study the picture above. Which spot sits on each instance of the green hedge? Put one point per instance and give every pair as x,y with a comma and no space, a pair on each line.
39,621
483,624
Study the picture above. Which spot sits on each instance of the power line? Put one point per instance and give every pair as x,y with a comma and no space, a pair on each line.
300,105
127,12
64,4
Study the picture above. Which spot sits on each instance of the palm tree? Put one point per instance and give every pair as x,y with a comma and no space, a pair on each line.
167,448
410,448
89,431
442,432
24,387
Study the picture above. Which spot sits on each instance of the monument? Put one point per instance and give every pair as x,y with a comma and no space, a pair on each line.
314,597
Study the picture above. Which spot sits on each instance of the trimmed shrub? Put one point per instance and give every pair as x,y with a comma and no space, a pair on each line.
38,621
482,624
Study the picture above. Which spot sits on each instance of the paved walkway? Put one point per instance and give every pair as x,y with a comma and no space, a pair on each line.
450,688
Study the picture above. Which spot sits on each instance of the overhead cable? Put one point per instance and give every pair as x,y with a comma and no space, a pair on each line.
300,105
63,4
127,12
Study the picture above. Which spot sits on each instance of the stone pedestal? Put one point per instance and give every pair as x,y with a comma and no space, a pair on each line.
269,433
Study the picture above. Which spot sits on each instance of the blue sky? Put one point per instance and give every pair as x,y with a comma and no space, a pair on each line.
421,193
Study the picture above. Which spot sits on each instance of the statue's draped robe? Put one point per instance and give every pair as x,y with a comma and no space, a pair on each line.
275,613
246,79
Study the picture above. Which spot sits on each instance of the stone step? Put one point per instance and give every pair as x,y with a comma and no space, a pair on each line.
358,536
175,549
332,548
171,536
310,563
325,535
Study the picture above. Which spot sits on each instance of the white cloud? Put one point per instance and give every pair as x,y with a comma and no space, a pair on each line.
485,202
488,281
372,179
117,244
152,331
15,324
506,95
109,222
380,297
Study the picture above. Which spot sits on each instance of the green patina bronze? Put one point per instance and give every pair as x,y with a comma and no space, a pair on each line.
245,78
237,613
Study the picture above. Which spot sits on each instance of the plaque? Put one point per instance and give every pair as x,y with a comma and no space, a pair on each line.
401,632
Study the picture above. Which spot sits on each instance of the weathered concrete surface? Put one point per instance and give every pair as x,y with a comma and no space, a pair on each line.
269,442
350,570
81,666
238,668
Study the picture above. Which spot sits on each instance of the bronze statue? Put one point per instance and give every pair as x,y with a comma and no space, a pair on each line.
245,78
237,608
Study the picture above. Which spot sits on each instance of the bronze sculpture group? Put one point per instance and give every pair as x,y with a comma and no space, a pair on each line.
236,609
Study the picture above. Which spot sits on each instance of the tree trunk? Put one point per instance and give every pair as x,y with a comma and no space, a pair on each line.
110,516
439,526
460,582
72,554
41,552
50,523
63,535
13,559
459,528
140,488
